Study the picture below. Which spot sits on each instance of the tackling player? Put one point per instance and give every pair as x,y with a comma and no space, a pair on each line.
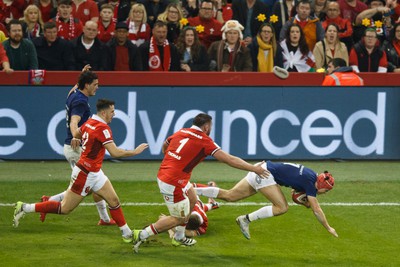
182,152
87,174
198,220
296,176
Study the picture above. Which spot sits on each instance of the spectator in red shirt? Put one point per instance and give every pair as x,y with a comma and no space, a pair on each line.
85,10
48,8
106,23
210,28
123,55
351,8
11,9
68,27
4,62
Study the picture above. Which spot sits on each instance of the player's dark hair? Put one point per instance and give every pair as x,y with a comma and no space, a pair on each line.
338,62
103,104
86,77
201,119
193,223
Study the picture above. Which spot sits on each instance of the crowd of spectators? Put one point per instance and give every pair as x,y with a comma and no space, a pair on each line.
199,35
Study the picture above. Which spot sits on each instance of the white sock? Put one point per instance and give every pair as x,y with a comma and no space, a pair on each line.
147,232
102,210
125,230
180,232
264,212
207,191
58,197
28,208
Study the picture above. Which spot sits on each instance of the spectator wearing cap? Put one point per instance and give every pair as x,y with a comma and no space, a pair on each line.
106,23
231,54
158,54
377,16
123,54
68,26
53,52
367,55
88,49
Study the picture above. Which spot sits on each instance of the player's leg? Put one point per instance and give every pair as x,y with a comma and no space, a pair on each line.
240,191
269,189
180,229
69,203
180,201
102,210
105,190
72,157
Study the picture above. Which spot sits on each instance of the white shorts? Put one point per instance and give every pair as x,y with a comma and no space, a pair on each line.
82,182
257,182
175,198
72,155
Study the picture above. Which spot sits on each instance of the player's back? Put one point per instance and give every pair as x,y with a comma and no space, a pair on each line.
294,175
95,134
186,148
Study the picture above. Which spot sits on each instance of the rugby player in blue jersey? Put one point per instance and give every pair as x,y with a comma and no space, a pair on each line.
77,113
296,176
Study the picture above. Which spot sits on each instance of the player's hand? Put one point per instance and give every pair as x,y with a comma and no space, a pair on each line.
140,148
333,232
260,171
86,67
75,143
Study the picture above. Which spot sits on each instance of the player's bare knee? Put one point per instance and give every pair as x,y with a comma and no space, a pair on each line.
280,209
113,202
65,211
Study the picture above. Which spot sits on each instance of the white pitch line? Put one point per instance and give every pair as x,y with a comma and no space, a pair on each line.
348,204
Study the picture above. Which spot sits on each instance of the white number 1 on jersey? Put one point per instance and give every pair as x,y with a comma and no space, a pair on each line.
183,142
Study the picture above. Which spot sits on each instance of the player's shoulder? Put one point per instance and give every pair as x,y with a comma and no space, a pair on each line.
77,97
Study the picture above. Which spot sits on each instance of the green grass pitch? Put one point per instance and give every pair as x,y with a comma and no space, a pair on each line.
368,234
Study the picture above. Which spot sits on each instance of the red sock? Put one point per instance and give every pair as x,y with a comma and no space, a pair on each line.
118,215
199,185
48,207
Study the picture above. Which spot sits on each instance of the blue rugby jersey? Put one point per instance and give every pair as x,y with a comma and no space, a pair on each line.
77,104
293,175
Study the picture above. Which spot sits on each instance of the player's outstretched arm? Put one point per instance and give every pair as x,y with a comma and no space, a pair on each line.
318,212
238,163
117,152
